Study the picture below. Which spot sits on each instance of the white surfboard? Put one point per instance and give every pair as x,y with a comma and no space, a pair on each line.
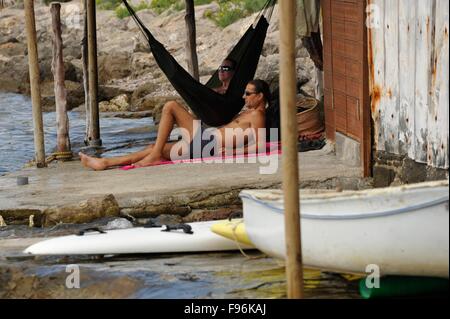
136,241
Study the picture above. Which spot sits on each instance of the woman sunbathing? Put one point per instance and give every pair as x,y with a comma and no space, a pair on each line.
242,135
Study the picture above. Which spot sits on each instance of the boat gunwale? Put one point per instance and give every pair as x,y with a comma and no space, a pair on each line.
398,211
325,193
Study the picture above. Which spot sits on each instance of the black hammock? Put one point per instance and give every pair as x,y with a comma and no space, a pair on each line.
213,108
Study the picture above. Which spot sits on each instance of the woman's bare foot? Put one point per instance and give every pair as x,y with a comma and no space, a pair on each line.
150,160
98,164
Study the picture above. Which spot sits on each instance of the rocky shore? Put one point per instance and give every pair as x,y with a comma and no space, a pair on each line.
129,78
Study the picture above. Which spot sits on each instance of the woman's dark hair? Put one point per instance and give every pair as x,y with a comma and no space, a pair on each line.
262,87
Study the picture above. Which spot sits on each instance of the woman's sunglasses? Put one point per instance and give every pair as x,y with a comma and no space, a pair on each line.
225,68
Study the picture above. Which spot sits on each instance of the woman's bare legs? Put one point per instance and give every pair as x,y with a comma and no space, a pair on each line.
172,113
103,163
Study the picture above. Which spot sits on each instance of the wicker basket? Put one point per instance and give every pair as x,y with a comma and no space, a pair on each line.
308,117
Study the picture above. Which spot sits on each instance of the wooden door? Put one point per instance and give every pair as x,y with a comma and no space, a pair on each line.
346,79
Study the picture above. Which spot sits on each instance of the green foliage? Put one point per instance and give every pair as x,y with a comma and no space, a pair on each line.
232,10
47,2
178,6
160,6
108,4
253,6
202,2
122,12
229,11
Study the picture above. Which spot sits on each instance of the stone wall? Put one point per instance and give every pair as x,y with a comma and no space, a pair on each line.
393,170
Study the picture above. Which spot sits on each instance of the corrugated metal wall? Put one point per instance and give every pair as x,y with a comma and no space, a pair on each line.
409,78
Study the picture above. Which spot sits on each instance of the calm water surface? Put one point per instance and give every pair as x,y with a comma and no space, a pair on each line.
118,135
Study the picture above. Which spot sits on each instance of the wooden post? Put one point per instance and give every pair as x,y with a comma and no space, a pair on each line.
62,120
294,271
191,42
30,26
84,59
94,134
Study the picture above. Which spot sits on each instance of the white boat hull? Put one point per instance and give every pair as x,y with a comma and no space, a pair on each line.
402,230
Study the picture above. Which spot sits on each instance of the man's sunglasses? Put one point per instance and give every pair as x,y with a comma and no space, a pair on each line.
246,93
225,68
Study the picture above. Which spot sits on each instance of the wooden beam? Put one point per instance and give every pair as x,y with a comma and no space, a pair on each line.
62,120
94,133
191,42
288,79
84,59
30,27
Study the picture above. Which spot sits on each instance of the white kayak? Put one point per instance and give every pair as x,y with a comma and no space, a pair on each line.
136,241
404,230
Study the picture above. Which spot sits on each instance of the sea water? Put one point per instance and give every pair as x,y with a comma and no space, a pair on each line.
119,136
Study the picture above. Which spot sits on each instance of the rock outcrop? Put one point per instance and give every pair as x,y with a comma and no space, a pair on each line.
126,66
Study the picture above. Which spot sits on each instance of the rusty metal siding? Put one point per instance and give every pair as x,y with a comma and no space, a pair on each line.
409,78
438,139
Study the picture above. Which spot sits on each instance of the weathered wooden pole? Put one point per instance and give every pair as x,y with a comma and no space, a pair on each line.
294,271
62,120
94,134
84,59
30,27
191,42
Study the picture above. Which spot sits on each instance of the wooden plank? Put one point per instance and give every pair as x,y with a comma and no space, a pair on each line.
353,31
423,71
330,129
407,67
337,10
354,50
294,267
438,116
340,109
62,120
339,82
353,117
191,40
354,88
366,124
94,135
392,108
84,61
339,29
339,66
338,46
376,68
327,78
354,12
354,70
35,86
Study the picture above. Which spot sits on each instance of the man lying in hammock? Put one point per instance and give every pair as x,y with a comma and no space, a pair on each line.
224,140
226,72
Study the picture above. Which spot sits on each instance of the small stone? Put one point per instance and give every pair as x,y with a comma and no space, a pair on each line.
22,180
2,222
31,221
119,223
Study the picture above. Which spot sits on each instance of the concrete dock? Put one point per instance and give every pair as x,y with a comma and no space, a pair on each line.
147,192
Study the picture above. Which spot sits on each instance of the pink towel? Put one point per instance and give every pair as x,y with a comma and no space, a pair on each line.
273,148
